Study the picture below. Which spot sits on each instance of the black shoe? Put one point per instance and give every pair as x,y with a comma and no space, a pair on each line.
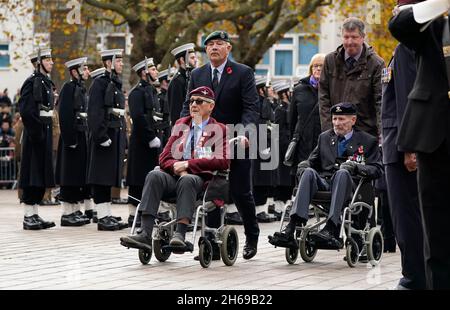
271,209
250,249
89,214
328,237
264,217
44,224
141,241
83,217
107,224
121,224
233,219
285,238
72,220
30,223
131,220
95,218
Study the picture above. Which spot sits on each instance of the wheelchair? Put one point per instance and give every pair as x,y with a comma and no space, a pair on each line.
225,236
358,224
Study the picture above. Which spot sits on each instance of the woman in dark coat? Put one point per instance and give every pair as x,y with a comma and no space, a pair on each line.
304,112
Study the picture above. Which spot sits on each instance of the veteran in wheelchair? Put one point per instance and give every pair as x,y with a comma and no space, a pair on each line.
197,148
335,180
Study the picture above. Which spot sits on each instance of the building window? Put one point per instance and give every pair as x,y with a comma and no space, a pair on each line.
307,48
283,62
286,41
261,71
4,55
115,40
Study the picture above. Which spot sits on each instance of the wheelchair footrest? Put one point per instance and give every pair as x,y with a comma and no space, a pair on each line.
179,249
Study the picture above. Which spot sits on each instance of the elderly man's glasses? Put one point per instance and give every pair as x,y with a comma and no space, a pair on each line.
196,101
317,66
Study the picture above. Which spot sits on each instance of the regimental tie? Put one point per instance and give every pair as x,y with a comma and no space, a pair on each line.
350,63
215,82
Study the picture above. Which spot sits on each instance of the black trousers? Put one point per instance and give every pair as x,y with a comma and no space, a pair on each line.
136,192
101,193
32,195
434,184
407,223
74,194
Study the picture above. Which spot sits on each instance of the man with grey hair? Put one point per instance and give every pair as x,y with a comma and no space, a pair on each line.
352,73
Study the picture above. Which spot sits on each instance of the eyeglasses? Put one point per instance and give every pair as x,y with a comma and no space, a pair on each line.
317,66
196,101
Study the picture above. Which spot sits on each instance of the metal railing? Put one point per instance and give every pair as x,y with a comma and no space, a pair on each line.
8,167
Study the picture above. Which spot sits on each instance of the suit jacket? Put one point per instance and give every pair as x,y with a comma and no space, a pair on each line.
395,99
236,96
214,136
425,125
361,147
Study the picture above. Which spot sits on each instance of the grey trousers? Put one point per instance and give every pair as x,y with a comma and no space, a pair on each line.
341,186
161,185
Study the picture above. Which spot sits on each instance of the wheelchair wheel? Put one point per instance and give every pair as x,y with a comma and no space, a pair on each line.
291,255
375,246
230,245
144,256
307,250
205,253
352,252
160,255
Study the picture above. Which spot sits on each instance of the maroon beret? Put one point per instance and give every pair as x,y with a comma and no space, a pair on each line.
404,2
203,91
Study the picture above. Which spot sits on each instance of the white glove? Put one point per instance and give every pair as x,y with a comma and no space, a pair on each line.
265,152
73,146
155,143
106,143
157,119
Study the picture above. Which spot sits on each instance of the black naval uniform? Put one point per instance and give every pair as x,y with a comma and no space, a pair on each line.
142,102
176,94
71,165
106,162
36,166
164,126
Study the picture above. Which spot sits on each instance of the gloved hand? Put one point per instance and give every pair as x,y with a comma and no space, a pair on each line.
73,146
350,166
106,143
155,143
301,167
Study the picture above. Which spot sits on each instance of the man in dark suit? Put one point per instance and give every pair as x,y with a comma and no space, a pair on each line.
236,103
425,127
400,167
342,153
186,164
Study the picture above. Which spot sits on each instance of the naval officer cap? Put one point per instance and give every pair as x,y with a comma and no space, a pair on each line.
109,54
137,68
281,86
97,72
180,51
164,75
76,63
260,81
343,108
45,53
217,35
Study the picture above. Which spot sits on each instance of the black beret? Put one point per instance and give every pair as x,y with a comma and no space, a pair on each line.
343,108
217,35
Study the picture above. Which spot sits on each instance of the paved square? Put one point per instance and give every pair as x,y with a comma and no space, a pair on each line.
84,258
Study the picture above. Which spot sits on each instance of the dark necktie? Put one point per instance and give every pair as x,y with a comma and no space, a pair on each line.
350,63
342,144
215,82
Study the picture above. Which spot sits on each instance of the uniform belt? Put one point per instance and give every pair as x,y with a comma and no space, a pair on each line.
120,112
44,113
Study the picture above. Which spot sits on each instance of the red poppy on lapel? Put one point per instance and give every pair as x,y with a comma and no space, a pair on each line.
229,70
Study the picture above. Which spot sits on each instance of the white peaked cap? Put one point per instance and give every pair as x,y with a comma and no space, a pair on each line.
281,86
110,53
45,52
183,48
430,9
97,72
141,65
76,62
